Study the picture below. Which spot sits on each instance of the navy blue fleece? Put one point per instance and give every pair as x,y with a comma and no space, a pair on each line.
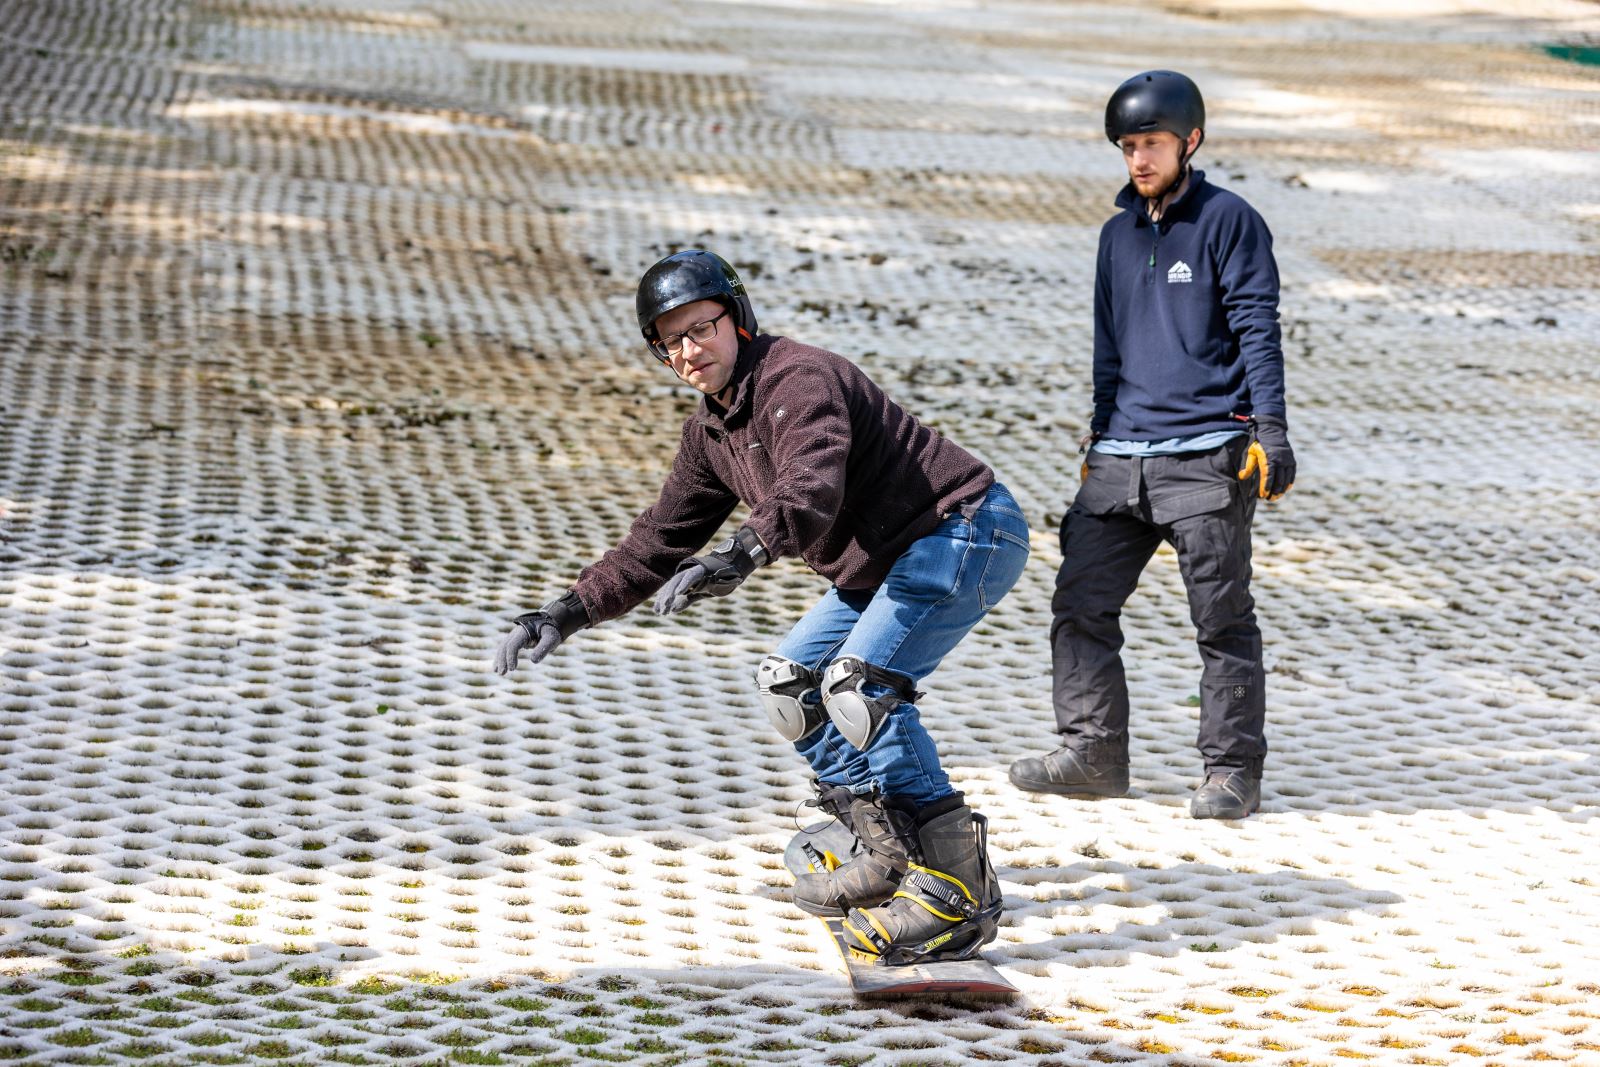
1185,317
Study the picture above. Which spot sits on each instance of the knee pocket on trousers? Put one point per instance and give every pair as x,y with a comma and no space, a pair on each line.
1215,616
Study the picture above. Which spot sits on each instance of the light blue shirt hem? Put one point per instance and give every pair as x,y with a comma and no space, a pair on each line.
1172,446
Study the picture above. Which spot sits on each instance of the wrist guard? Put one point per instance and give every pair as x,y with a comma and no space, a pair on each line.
730,563
566,613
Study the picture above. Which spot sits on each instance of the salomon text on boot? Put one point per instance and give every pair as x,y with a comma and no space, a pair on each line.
875,867
947,905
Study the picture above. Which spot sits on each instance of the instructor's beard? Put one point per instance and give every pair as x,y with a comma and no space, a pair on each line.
1160,201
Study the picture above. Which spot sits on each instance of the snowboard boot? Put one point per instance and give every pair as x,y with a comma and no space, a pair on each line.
1096,769
1228,793
947,906
876,864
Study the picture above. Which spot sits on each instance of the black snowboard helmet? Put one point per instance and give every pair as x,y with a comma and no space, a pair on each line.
684,277
1156,100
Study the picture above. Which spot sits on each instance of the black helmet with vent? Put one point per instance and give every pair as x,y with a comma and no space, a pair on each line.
1155,100
684,277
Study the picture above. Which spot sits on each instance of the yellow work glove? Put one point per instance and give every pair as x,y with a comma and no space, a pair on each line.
1269,459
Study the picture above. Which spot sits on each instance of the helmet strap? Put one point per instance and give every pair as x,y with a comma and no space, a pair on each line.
1186,154
1184,170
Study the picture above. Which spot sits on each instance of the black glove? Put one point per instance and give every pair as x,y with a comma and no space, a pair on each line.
1269,458
717,573
543,629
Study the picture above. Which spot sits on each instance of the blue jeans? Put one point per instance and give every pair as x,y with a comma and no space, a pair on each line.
936,592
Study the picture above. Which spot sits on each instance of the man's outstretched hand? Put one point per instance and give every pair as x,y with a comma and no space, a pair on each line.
539,632
539,643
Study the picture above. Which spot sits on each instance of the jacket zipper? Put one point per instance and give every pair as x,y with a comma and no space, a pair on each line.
736,461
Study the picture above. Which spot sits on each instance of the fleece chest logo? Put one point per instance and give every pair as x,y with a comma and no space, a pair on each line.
1180,274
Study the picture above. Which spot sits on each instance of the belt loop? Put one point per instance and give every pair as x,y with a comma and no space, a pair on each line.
1135,469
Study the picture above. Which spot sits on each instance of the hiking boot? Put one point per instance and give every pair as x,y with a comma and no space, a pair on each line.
1228,793
1099,769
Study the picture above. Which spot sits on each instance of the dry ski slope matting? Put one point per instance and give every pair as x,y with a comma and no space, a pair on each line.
316,367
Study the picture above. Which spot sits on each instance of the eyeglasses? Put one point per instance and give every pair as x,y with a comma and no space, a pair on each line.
699,333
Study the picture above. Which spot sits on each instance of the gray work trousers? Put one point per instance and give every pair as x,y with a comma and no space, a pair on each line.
1123,511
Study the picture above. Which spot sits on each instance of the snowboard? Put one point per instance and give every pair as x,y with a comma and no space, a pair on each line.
975,977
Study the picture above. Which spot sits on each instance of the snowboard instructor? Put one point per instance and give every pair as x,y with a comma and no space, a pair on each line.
1189,430
919,542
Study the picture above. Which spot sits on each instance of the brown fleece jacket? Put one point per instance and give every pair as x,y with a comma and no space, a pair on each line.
833,471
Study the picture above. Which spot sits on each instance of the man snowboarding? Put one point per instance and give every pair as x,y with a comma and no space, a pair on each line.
1189,429
919,542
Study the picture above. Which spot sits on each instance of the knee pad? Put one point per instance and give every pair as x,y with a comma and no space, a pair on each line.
783,685
857,716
